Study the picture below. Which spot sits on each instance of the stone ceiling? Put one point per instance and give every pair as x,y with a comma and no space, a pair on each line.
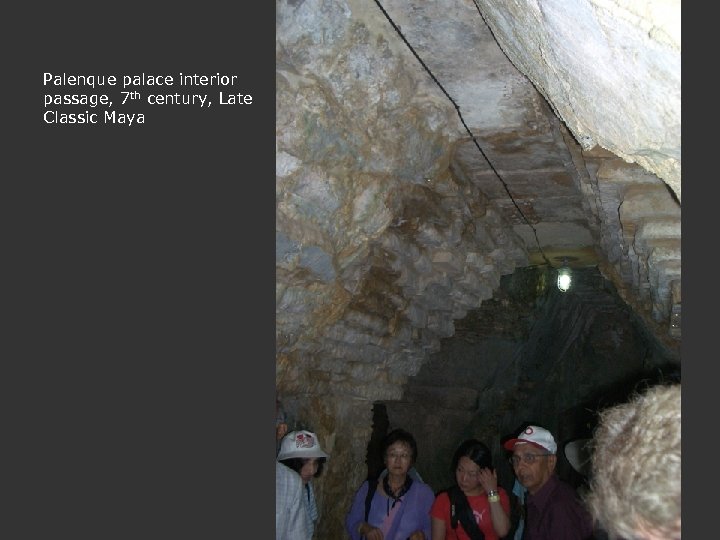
427,148
388,111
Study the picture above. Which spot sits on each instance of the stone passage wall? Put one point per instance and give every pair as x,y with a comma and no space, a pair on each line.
380,245
531,354
640,236
414,280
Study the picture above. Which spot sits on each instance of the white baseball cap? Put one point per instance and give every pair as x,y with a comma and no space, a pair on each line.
300,444
536,436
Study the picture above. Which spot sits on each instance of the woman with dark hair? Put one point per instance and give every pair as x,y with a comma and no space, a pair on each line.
475,508
300,450
397,505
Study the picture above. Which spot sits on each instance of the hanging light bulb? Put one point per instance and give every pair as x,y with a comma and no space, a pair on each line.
564,277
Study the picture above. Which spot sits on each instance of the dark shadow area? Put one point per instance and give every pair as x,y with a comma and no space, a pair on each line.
531,354
374,458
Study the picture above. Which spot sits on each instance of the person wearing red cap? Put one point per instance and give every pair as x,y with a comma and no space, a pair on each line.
554,511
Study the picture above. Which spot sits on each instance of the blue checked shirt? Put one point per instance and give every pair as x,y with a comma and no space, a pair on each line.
291,515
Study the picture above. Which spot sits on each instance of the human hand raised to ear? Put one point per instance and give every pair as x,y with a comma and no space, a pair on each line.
488,480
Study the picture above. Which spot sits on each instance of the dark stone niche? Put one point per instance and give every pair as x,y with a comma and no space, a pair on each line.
531,354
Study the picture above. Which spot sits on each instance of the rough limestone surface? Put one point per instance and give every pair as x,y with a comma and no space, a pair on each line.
610,69
379,245
389,229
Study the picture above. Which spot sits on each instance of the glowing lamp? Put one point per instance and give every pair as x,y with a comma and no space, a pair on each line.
564,278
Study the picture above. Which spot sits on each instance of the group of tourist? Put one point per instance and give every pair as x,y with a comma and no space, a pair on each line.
634,490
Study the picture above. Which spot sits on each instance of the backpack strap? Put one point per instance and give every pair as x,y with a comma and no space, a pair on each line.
452,495
460,511
372,487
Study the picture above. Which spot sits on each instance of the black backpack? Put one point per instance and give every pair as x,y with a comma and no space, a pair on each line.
460,511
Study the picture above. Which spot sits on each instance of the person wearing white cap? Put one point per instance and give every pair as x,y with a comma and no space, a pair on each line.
291,521
554,511
301,451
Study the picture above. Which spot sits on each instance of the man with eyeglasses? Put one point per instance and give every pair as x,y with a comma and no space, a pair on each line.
553,509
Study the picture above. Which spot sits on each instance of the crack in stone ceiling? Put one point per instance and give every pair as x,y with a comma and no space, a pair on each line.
569,196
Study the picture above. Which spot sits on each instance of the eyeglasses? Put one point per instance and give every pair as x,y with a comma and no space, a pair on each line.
525,458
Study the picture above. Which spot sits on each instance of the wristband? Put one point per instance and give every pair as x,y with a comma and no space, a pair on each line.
493,496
